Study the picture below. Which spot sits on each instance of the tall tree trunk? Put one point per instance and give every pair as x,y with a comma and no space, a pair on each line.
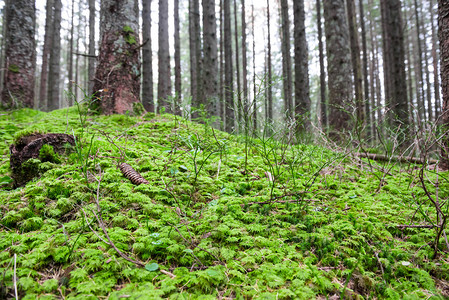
430,110
409,71
45,55
443,34
177,44
3,44
164,80
237,67
195,55
229,91
302,98
254,75
244,62
147,58
365,71
91,64
436,80
355,59
419,66
70,58
210,63
338,68
55,56
394,66
221,81
270,73
117,83
20,54
286,61
323,114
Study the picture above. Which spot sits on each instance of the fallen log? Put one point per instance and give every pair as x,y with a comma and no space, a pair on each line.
404,159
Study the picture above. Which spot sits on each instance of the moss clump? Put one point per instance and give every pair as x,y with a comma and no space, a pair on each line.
129,35
47,153
14,68
138,109
26,132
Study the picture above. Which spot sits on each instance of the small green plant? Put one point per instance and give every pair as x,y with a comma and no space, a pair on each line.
47,153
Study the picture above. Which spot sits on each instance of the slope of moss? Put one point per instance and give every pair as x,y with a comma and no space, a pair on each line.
223,217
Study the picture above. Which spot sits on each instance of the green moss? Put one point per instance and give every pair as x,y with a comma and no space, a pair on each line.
14,68
47,154
129,35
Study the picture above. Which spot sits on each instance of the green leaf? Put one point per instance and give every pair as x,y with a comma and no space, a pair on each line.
152,267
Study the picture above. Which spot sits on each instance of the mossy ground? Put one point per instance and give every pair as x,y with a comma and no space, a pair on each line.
269,222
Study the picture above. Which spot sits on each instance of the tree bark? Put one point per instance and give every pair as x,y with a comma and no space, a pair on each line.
229,91
366,93
394,66
117,83
286,61
244,62
55,56
270,73
443,35
20,54
302,98
355,59
91,61
195,55
254,74
70,56
210,63
436,80
147,58
339,68
45,55
177,44
237,67
323,106
164,80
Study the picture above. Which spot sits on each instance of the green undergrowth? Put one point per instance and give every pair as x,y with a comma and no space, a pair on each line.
223,216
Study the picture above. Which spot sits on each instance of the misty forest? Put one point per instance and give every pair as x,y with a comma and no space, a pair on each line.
224,149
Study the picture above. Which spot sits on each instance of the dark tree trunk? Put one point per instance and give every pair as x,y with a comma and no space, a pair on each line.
221,81
339,68
244,62
55,56
164,80
355,60
366,97
117,83
229,91
195,55
394,66
177,44
91,61
269,68
443,34
70,56
302,98
210,63
419,66
286,61
20,54
254,75
436,79
237,67
45,55
147,58
323,107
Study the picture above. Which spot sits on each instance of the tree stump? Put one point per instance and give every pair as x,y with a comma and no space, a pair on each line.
26,150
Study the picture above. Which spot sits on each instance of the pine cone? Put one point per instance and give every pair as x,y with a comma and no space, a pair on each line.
132,174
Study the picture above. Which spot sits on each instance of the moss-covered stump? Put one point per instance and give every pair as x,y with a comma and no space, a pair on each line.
28,151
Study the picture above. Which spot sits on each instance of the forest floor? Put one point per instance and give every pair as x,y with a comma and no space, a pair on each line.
223,216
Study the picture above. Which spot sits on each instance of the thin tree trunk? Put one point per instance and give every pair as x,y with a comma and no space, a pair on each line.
244,62
91,61
269,68
177,44
237,67
164,80
45,55
55,55
443,34
195,55
302,98
365,71
221,81
436,79
254,75
419,68
229,103
147,58
286,61
430,111
323,114
70,58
